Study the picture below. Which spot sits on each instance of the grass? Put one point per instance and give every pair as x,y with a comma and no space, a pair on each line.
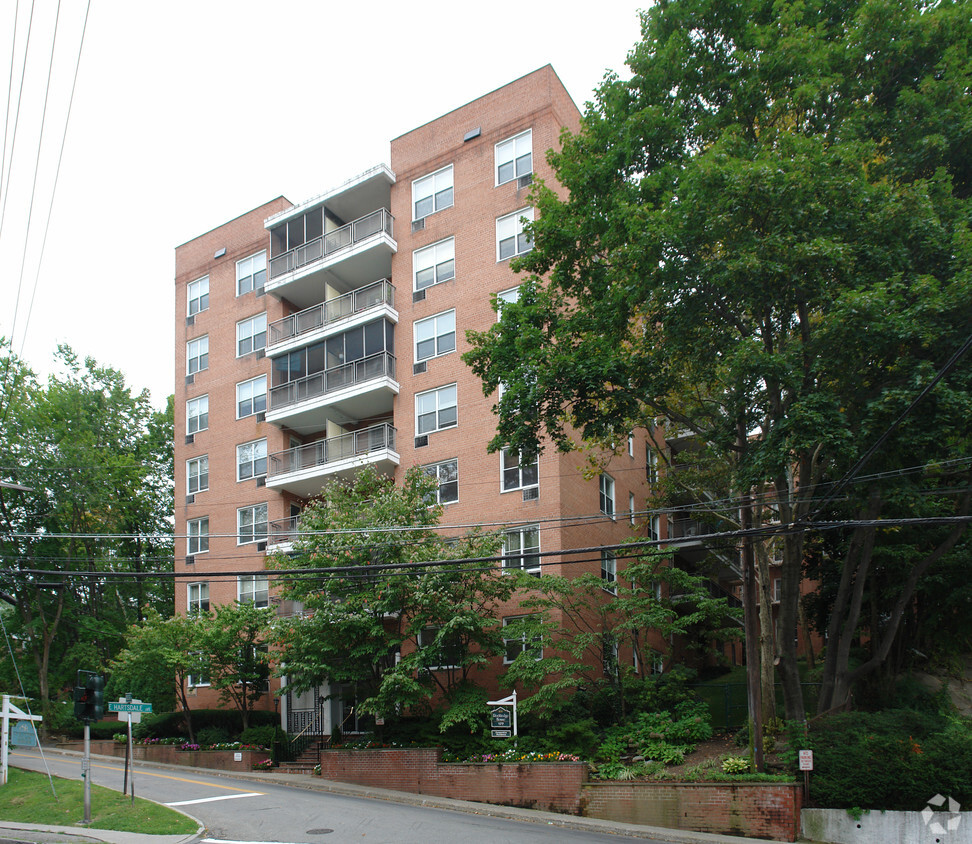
27,798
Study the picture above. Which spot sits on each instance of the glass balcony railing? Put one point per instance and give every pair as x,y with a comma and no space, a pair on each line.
332,242
332,449
371,296
332,380
283,531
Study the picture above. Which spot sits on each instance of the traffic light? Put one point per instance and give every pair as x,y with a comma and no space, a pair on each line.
82,697
89,699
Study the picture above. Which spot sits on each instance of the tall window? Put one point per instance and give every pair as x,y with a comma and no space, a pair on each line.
197,414
436,410
506,297
197,474
442,651
606,495
521,549
253,589
197,294
251,273
514,157
435,336
446,474
520,642
251,335
197,535
511,240
651,464
197,597
609,571
434,264
197,355
432,193
251,397
251,524
631,508
251,460
518,474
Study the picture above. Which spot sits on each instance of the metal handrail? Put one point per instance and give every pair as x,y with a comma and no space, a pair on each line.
372,295
331,380
331,449
377,222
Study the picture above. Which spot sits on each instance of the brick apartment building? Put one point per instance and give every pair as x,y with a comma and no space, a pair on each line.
312,339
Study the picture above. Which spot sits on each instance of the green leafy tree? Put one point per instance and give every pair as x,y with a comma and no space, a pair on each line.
390,606
765,242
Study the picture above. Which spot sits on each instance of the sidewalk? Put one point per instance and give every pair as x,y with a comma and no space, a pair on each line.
77,835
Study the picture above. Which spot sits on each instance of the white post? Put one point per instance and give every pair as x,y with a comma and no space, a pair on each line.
514,712
4,745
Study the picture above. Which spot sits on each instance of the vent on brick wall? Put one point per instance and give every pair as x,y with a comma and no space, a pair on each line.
531,494
421,442
418,296
524,181
219,253
261,416
261,481
190,560
261,546
191,320
190,379
190,499
190,439
419,368
418,225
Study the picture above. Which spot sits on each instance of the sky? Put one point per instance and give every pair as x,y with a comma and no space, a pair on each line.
189,113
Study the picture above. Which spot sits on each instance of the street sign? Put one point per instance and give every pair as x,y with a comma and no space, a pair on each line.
806,760
121,706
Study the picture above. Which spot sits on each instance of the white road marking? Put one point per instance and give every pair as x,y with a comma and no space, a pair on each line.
230,841
212,799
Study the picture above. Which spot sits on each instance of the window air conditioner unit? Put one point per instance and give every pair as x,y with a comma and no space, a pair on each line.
190,379
419,368
261,353
261,416
524,181
421,442
190,499
260,291
418,296
261,546
191,320
261,481
190,439
418,225
190,560
531,494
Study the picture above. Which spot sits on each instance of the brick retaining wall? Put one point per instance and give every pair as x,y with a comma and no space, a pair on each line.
220,760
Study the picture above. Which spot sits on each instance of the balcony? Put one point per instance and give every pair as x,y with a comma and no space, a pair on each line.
282,533
361,389
302,470
343,257
311,323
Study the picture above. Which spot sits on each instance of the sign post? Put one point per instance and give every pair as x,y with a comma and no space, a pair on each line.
10,711
501,724
806,765
131,710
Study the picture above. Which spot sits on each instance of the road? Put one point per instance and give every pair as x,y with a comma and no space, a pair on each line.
239,810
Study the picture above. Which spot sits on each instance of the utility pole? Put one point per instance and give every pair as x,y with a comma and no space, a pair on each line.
751,628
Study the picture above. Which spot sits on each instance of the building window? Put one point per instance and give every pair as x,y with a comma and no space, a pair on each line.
516,473
436,410
251,397
651,464
253,589
609,571
197,293
446,474
251,523
654,528
777,589
512,648
441,655
606,494
197,536
432,193
197,475
201,676
434,264
197,355
251,273
197,415
198,597
630,445
251,335
521,549
507,297
511,240
631,507
251,460
435,336
514,157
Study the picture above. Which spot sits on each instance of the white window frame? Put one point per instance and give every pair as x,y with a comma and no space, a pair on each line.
248,272
253,589
248,332
437,470
197,355
506,297
631,442
197,409
440,258
245,392
519,642
510,227
511,153
197,536
445,398
524,553
432,631
251,454
609,572
197,296
194,681
439,187
654,528
606,492
777,589
197,595
258,515
506,472
631,508
441,326
197,468
651,464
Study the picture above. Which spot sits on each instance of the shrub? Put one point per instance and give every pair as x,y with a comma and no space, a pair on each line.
735,765
212,735
263,736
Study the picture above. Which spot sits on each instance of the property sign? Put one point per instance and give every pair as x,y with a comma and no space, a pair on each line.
806,760
501,722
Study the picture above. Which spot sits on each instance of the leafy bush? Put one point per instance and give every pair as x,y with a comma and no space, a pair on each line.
665,736
263,736
171,724
212,735
735,765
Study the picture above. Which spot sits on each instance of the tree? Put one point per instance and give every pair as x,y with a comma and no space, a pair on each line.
84,539
389,605
766,243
